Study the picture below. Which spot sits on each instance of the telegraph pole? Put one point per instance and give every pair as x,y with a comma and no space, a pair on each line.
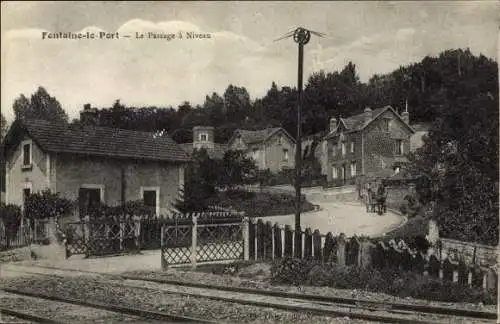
301,36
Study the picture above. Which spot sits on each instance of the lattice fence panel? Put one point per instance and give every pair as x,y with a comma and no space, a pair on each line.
219,242
176,244
75,239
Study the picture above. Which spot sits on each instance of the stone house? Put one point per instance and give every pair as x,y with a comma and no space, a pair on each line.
91,164
271,148
372,144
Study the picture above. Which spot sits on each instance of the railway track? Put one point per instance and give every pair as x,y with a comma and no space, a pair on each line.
13,316
135,315
386,312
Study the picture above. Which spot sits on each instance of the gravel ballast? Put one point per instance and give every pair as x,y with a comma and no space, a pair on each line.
234,281
105,291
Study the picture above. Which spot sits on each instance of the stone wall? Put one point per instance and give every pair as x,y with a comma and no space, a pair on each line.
483,255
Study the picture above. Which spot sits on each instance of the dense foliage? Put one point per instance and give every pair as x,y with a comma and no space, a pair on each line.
46,204
458,164
206,175
260,204
389,281
11,216
40,106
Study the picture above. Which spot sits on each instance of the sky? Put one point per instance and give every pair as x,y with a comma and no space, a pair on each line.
376,36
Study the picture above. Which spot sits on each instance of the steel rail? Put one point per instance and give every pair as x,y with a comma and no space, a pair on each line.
437,310
162,316
27,317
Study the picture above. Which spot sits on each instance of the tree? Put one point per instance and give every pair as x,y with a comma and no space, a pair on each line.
459,164
214,107
237,103
41,106
237,169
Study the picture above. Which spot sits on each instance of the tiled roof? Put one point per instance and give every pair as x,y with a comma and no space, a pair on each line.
250,137
358,122
103,141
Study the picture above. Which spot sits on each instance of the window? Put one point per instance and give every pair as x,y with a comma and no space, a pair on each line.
27,154
343,149
280,140
399,147
151,198
352,147
353,169
334,172
386,124
285,155
203,137
240,141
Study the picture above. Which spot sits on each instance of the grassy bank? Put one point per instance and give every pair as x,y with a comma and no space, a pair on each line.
260,204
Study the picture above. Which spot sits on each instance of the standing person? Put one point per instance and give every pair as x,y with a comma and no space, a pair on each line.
368,197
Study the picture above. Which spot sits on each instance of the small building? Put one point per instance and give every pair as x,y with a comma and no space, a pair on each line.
372,144
91,164
204,138
271,148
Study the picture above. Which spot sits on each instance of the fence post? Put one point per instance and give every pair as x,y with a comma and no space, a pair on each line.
164,264
87,235
35,236
121,221
137,231
273,243
246,239
341,243
193,241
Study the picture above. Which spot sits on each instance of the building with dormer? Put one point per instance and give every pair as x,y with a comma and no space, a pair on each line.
372,144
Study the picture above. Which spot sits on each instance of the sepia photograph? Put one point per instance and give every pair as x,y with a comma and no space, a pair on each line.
249,162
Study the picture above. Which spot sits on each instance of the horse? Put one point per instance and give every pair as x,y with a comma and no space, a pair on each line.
380,199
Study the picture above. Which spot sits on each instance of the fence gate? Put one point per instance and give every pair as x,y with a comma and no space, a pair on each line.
176,242
217,242
108,237
76,236
99,237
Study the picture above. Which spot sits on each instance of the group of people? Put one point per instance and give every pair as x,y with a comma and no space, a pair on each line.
375,198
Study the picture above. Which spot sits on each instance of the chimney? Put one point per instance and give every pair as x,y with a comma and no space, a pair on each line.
89,116
405,115
368,114
333,124
203,137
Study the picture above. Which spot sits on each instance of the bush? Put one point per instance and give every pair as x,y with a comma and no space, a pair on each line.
47,204
11,216
258,204
410,206
389,281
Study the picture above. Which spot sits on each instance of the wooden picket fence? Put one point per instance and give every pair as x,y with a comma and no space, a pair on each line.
273,241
